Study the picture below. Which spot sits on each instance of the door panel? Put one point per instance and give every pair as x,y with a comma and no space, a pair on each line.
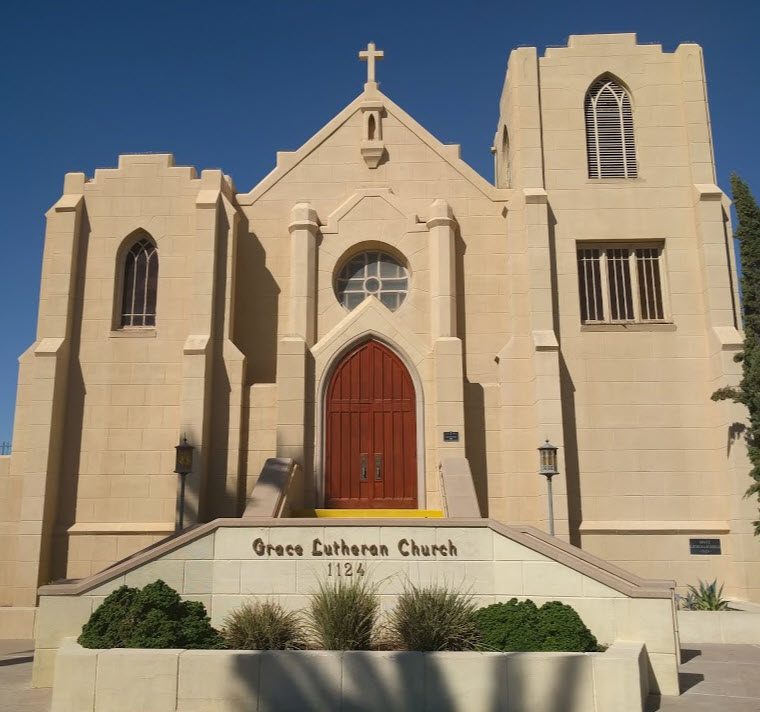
371,414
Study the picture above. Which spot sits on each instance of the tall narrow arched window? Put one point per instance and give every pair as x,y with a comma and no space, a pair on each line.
140,285
609,131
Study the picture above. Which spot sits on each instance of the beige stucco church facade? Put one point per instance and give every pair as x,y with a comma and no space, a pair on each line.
374,308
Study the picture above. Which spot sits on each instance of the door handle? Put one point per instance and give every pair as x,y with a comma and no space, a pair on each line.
363,474
378,467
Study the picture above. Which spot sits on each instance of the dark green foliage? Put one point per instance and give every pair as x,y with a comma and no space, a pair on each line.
152,617
522,626
563,630
509,626
433,618
342,616
748,392
263,625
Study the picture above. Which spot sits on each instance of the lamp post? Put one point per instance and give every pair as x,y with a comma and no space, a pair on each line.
183,466
547,461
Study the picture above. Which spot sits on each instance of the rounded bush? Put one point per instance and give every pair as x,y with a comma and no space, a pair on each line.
152,617
509,626
562,629
522,626
433,618
263,625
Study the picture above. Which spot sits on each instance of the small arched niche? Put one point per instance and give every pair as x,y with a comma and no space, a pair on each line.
505,163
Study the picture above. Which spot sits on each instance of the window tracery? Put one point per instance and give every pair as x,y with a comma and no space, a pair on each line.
140,285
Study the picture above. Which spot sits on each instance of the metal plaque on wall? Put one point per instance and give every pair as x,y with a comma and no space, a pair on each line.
704,546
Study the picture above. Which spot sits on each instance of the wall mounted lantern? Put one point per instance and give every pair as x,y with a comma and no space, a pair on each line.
547,466
183,465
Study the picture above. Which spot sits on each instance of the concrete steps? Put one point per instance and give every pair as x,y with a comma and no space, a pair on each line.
369,513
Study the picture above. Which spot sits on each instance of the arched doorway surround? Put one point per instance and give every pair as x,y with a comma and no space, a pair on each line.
370,445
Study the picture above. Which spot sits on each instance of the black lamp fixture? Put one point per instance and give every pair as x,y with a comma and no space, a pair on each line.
547,466
183,465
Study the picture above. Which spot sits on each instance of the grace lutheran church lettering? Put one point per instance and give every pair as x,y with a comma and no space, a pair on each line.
406,547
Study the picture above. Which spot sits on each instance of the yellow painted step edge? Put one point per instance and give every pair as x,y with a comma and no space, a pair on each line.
370,513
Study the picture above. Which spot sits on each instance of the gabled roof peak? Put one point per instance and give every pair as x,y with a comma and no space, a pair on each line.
372,99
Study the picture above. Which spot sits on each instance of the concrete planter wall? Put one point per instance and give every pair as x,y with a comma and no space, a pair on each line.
220,565
719,627
331,681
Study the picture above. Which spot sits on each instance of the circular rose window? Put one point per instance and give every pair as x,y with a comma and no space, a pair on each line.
375,273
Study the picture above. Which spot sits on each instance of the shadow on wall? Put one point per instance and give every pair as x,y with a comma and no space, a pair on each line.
73,422
255,305
255,315
220,501
572,466
474,400
475,441
312,681
567,397
734,433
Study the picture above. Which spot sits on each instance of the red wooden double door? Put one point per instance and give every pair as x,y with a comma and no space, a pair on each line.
371,439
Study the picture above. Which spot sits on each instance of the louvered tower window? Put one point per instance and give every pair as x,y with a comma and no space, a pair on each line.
140,285
609,131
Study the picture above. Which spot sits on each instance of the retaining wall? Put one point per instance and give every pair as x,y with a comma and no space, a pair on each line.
332,681
226,562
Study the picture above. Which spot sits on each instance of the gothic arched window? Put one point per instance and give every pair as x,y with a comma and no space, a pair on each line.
609,131
140,285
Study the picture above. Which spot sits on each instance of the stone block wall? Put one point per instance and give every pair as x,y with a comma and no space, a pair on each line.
224,681
225,564
645,461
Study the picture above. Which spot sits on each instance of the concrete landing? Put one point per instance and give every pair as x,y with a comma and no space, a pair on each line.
715,678
16,692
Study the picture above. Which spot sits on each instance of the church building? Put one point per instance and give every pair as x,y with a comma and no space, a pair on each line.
404,331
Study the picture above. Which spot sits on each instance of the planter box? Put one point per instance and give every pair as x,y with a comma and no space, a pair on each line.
122,680
719,627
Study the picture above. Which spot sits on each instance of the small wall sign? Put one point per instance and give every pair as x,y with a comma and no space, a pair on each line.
451,436
704,546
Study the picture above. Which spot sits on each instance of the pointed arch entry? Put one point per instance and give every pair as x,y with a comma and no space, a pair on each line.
371,432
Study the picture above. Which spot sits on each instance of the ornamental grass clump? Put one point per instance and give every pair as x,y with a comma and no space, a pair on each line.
263,625
343,615
433,618
152,617
705,598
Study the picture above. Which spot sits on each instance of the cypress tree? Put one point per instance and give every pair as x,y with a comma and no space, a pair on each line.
748,392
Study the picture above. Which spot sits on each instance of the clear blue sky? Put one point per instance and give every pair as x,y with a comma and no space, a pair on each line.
225,85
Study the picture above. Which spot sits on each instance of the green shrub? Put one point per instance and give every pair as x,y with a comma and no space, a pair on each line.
521,625
509,626
152,617
562,629
433,618
706,598
263,625
342,616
